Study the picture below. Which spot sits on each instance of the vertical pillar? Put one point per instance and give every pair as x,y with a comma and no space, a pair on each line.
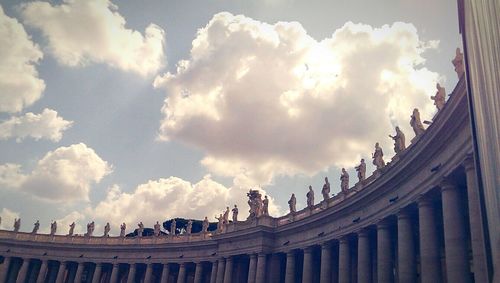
182,273
326,263
165,273
96,278
149,272
61,272
213,274
344,261
274,269
198,273
252,268
307,267
260,277
384,253
23,272
114,273
131,273
4,268
430,270
476,228
457,265
229,270
79,271
42,272
407,271
221,266
364,262
290,267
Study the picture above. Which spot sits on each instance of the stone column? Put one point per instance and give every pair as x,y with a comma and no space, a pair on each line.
307,266
198,272
260,276
165,273
4,268
213,274
42,272
384,253
290,267
252,268
96,278
344,261
182,273
221,266
326,263
229,270
131,273
407,266
61,272
476,227
114,273
23,272
457,264
149,272
430,271
364,257
79,271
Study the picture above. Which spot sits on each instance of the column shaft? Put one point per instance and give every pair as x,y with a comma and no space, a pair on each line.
182,273
96,278
326,263
42,272
213,274
260,277
307,267
290,267
229,270
149,272
131,273
364,262
23,272
4,269
79,271
61,272
198,273
430,270
252,268
221,266
344,261
114,273
384,253
165,273
407,267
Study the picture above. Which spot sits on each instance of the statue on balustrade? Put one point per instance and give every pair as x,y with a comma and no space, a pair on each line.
361,169
325,191
310,197
53,228
440,97
36,226
235,213
265,206
90,229
378,157
292,203
122,229
458,62
189,227
226,216
71,229
204,225
173,227
344,181
220,220
107,228
157,228
17,224
140,229
399,141
255,203
416,124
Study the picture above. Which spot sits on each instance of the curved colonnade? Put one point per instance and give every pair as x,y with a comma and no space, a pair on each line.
416,220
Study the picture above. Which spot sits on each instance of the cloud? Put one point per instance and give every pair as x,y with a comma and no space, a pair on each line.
20,85
8,217
63,175
83,31
63,223
263,100
46,125
158,200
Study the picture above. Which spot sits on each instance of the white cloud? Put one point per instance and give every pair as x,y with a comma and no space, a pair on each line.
8,217
262,100
20,85
63,175
46,125
84,31
63,223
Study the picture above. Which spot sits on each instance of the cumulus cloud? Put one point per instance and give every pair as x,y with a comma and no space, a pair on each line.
46,125
8,217
63,175
20,85
84,31
262,100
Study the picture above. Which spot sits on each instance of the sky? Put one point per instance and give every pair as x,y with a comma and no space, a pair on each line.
128,111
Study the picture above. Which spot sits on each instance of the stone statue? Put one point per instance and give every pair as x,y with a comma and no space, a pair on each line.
204,225
189,227
344,181
157,228
140,229
256,204
17,224
399,141
325,191
458,62
292,203
173,227
71,229
439,98
361,169
122,229
416,124
310,197
226,215
220,222
107,228
36,226
53,228
265,206
378,157
235,213
90,229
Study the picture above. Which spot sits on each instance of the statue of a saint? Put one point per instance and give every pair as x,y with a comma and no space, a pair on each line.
173,227
440,97
255,203
265,206
71,229
226,215
416,124
378,157
344,181
399,141
157,228
17,224
310,197
36,226
189,227
140,229
122,229
107,228
458,62
53,228
204,225
220,222
90,229
325,191
361,169
292,204
235,213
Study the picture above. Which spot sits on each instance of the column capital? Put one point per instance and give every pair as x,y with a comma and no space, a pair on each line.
383,224
229,258
403,214
261,255
468,163
447,184
363,233
252,255
182,264
424,201
290,253
344,240
308,250
326,245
